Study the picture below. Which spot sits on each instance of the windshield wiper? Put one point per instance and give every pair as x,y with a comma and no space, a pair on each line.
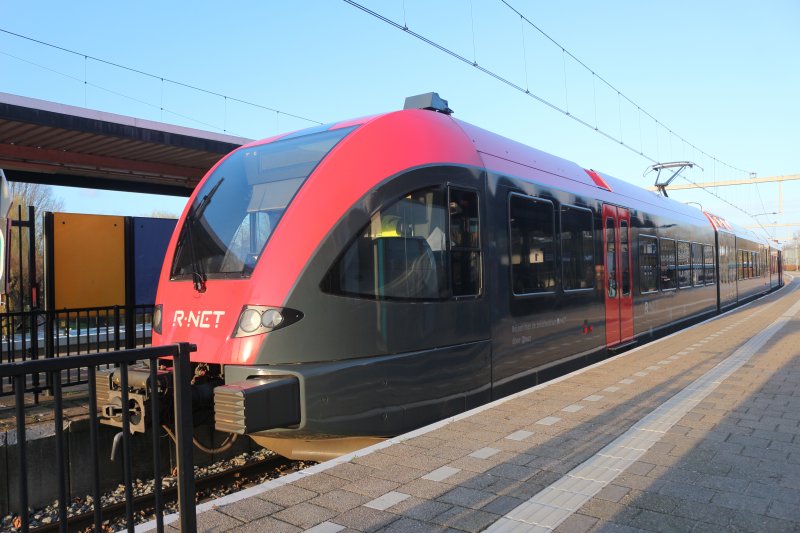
199,277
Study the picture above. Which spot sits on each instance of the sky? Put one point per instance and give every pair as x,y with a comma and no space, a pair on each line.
721,75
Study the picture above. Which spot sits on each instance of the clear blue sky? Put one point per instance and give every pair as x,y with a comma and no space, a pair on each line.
722,74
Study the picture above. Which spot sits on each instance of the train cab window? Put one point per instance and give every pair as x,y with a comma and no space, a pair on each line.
465,245
669,277
684,265
240,204
577,248
708,260
625,257
697,264
531,226
648,264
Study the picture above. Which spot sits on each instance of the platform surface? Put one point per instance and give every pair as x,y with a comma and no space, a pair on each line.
699,431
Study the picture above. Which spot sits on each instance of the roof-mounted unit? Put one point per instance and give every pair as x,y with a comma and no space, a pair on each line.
658,167
429,101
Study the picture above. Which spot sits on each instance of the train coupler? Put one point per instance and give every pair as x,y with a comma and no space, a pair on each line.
109,396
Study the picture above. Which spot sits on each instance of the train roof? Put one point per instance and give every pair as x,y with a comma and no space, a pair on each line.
501,154
721,224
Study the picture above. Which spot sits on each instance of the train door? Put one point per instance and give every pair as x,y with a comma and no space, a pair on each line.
618,275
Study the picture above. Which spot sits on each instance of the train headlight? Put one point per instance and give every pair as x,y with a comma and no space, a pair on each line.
250,320
259,319
157,314
272,318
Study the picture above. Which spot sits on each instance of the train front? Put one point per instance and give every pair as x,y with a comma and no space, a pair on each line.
279,358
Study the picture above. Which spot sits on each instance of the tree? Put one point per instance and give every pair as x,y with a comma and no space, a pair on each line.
162,214
42,198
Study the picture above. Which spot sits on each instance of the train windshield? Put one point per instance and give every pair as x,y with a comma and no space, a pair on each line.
241,203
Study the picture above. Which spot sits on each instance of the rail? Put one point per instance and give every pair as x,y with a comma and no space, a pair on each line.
38,334
144,503
53,368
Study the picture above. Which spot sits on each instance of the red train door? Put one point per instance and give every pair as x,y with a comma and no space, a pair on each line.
618,275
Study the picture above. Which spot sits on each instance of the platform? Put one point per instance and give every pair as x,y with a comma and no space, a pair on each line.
697,431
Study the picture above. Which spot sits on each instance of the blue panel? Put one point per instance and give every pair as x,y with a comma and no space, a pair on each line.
150,240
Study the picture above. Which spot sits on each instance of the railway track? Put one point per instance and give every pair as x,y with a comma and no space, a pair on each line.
203,486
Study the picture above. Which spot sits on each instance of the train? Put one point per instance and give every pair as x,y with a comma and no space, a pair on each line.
356,280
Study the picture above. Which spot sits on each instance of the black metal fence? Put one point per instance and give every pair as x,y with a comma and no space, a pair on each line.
39,334
54,369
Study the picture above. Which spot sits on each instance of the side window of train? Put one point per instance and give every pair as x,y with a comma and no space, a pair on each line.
684,265
577,248
669,275
697,264
465,244
531,239
401,254
424,246
708,259
648,264
742,264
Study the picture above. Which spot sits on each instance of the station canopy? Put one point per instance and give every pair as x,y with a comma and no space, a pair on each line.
57,144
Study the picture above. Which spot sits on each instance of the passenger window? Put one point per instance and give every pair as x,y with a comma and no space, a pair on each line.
697,264
668,273
532,245
684,265
708,257
648,264
401,254
577,248
465,245
740,265
624,257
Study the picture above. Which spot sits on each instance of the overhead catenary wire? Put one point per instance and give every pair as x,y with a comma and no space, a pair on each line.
156,77
109,91
565,111
607,83
493,74
555,107
405,28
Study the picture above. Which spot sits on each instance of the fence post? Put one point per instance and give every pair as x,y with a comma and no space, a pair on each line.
50,332
130,327
116,327
182,377
22,458
34,315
